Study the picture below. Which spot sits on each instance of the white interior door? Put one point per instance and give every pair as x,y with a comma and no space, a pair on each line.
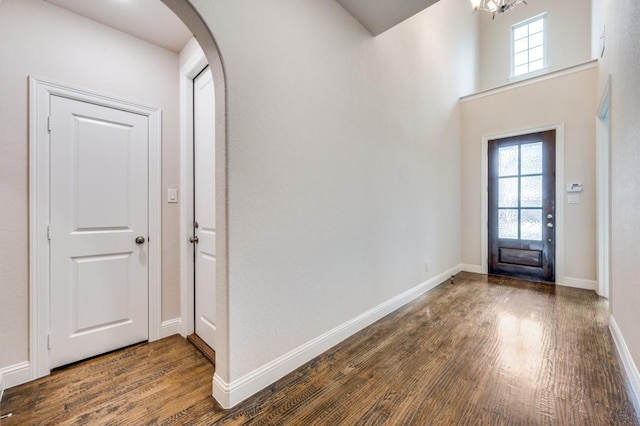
99,206
204,207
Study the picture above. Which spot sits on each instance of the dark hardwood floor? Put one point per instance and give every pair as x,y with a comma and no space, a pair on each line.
478,351
203,347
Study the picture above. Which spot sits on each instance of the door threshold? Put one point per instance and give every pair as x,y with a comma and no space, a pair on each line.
525,279
206,350
528,283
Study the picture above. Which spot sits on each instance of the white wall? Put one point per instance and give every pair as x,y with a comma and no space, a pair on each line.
343,163
568,37
39,38
622,61
569,99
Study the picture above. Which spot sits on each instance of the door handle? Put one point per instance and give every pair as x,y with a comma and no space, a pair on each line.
139,239
549,225
549,216
194,239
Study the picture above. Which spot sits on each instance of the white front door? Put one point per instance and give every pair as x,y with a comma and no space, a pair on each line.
99,206
204,207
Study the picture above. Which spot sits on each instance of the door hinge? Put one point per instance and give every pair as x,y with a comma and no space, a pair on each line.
49,124
48,340
49,232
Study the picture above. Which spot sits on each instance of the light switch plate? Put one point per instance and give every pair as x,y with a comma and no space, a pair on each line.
573,199
172,195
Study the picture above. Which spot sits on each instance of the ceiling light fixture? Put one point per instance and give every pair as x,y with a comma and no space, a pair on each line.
495,6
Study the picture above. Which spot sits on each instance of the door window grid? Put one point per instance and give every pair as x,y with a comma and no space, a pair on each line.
520,192
528,45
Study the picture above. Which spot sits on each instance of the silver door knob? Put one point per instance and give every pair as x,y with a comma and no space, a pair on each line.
549,216
194,239
139,239
549,225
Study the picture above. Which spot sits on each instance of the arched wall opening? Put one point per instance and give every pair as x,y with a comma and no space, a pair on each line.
33,53
185,11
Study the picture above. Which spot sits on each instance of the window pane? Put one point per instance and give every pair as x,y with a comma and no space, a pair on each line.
521,58
520,45
536,40
531,191
508,161
536,26
537,65
508,224
520,32
536,53
508,192
531,158
522,69
531,225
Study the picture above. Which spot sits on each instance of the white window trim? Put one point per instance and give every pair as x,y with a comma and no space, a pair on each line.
535,73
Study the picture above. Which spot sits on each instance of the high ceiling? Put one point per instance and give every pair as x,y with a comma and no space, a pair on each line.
152,21
149,20
380,15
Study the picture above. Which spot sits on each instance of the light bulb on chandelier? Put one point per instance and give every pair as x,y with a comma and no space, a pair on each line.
495,6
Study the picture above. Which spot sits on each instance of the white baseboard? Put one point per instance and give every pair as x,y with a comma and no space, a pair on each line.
579,283
476,269
630,368
230,394
18,374
566,282
170,327
15,375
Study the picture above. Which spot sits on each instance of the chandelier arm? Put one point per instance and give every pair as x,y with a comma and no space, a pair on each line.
494,7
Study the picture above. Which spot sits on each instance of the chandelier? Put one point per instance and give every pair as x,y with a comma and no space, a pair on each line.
495,6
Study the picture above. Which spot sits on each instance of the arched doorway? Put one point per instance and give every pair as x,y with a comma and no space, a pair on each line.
185,11
24,304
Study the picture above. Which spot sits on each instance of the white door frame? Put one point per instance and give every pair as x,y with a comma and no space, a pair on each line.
188,72
603,173
40,91
222,390
484,190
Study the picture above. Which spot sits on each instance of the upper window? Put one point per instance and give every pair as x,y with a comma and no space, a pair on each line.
528,46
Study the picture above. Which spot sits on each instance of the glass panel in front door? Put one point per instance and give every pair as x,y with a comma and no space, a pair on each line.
520,192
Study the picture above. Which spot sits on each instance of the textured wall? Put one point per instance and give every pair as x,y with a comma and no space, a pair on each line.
569,99
39,38
568,37
622,61
343,163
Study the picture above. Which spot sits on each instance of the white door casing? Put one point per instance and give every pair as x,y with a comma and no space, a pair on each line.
99,275
603,176
41,93
188,72
204,207
192,66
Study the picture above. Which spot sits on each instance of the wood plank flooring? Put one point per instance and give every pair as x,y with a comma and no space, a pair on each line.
478,351
203,347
